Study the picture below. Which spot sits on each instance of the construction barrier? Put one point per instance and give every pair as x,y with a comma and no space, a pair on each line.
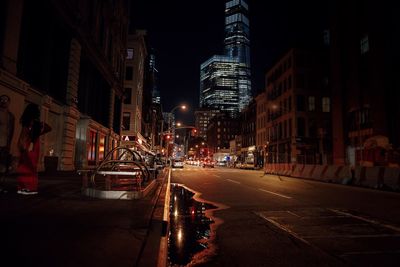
373,177
391,178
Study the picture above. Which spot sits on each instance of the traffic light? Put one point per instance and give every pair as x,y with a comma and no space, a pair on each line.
194,132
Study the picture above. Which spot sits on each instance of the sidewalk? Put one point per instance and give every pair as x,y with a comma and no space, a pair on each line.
61,227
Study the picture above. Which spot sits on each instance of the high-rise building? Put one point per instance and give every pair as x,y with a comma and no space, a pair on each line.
219,86
202,120
237,45
153,72
225,79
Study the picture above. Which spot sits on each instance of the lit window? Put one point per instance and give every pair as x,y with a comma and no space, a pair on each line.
129,53
364,44
326,104
102,142
92,147
311,103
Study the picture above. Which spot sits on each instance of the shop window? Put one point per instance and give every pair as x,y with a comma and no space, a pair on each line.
102,142
92,148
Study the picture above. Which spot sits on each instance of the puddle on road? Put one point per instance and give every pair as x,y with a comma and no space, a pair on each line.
189,227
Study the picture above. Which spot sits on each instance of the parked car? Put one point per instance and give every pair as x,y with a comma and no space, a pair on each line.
222,163
177,163
208,163
159,165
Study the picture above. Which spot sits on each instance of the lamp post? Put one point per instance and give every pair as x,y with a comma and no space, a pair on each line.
185,141
182,107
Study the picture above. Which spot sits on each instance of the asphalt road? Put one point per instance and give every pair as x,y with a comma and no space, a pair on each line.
266,220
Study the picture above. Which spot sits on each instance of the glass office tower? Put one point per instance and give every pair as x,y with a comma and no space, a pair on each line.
225,80
219,83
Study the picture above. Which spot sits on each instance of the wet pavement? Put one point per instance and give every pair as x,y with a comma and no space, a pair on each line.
189,227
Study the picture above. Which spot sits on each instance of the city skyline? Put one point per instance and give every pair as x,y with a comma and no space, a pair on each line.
181,48
225,80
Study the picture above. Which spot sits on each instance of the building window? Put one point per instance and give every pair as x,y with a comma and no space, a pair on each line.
129,73
300,103
126,119
301,81
326,104
364,44
102,142
128,96
301,126
311,103
129,53
92,148
327,37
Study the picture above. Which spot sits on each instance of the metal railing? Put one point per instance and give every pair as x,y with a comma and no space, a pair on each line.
125,172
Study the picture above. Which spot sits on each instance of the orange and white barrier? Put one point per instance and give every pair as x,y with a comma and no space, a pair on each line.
374,177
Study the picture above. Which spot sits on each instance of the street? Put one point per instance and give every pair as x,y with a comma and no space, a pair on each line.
266,220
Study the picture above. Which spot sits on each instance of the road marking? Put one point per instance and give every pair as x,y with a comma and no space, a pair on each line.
233,181
294,214
287,230
280,195
216,175
370,252
391,227
348,236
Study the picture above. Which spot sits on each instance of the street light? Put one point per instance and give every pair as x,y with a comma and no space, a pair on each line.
182,107
192,133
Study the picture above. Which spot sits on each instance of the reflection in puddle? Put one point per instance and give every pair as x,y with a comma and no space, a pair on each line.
189,227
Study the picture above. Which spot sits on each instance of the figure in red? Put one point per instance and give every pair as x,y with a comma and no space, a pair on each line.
29,147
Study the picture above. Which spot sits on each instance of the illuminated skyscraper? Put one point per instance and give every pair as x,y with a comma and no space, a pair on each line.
225,79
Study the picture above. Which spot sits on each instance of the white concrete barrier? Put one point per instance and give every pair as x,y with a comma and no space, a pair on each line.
369,176
298,170
391,178
307,171
374,177
319,172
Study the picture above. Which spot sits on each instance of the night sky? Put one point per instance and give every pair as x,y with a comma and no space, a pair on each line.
184,34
